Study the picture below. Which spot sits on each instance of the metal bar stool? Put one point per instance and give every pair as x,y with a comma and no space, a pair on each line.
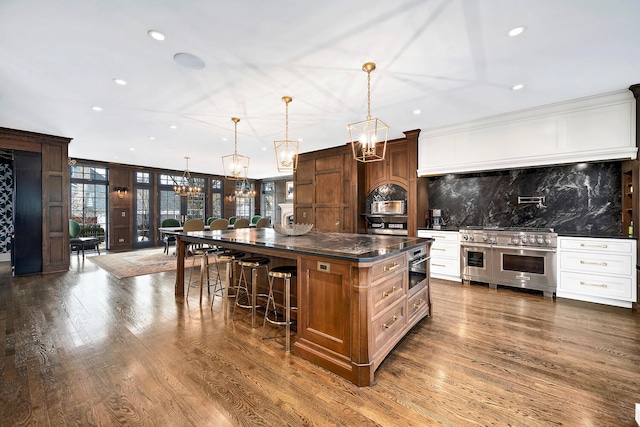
202,253
228,257
251,299
285,272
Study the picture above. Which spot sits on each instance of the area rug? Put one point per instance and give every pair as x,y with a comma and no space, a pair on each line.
138,262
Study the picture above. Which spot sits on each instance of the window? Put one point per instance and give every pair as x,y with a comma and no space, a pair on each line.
89,200
268,200
143,201
245,206
217,187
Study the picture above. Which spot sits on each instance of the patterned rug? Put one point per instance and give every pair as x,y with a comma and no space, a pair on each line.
138,262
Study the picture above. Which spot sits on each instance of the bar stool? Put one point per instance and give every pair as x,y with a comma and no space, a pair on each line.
227,257
285,272
202,253
253,264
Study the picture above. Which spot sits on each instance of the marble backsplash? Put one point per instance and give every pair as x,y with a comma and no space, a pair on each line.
577,198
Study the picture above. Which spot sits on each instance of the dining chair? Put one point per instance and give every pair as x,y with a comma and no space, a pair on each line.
255,219
232,220
241,223
211,219
263,223
168,238
219,224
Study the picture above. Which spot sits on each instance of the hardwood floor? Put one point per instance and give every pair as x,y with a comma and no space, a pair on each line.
84,348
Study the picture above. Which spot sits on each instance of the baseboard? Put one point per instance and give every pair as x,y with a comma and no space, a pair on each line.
5,257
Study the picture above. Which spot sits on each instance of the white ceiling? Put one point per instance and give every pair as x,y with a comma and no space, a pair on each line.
451,59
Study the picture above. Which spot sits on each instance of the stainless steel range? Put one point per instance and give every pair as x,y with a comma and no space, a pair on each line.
517,257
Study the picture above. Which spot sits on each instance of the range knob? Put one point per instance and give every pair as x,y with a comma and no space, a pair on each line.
540,240
465,237
484,237
547,241
515,240
471,237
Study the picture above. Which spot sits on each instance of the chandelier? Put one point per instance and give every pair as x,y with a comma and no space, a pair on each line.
235,164
186,187
244,190
367,136
286,150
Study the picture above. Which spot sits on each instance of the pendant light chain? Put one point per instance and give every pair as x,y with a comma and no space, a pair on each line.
368,95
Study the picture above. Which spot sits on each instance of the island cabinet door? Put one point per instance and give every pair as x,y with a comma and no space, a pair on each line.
323,311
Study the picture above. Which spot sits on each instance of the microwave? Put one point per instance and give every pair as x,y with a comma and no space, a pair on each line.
387,207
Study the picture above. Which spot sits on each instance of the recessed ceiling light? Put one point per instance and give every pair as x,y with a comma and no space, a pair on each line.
224,139
152,137
173,127
264,148
416,112
132,149
516,31
517,87
300,139
96,108
120,82
156,35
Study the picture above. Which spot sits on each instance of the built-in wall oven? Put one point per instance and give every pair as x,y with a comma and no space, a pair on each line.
517,257
418,269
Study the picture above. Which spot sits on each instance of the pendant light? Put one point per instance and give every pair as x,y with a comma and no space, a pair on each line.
235,166
186,187
368,137
286,150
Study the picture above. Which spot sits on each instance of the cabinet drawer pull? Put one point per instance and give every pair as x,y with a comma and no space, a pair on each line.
584,245
393,291
599,285
386,326
391,267
602,263
438,249
419,304
435,236
438,265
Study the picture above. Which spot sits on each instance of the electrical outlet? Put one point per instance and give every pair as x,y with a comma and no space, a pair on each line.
124,214
121,240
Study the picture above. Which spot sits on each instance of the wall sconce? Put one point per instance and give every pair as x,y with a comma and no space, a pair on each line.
122,191
231,197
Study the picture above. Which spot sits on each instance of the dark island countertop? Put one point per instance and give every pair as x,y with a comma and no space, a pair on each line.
343,246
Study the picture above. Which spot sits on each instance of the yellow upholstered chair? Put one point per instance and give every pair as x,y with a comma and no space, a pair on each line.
241,223
219,224
263,223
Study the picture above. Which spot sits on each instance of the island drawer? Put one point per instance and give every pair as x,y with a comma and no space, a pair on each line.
389,266
388,325
388,290
418,302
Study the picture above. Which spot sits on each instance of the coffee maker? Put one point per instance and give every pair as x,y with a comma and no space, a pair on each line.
435,219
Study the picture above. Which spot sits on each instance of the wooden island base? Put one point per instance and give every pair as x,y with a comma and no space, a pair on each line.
352,310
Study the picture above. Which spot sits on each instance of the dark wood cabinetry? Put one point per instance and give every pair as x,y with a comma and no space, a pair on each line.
331,187
41,193
400,168
326,185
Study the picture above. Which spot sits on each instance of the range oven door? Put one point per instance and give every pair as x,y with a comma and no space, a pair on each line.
527,268
475,263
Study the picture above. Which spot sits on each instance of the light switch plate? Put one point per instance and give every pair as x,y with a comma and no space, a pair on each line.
638,413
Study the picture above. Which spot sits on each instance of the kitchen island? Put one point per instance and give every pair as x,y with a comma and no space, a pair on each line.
357,294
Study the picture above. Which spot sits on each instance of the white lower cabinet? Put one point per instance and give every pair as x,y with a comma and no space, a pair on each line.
445,254
597,270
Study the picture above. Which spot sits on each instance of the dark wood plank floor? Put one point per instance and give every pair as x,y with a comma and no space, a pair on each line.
84,348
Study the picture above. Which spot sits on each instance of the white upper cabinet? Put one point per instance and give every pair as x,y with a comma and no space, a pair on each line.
590,129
